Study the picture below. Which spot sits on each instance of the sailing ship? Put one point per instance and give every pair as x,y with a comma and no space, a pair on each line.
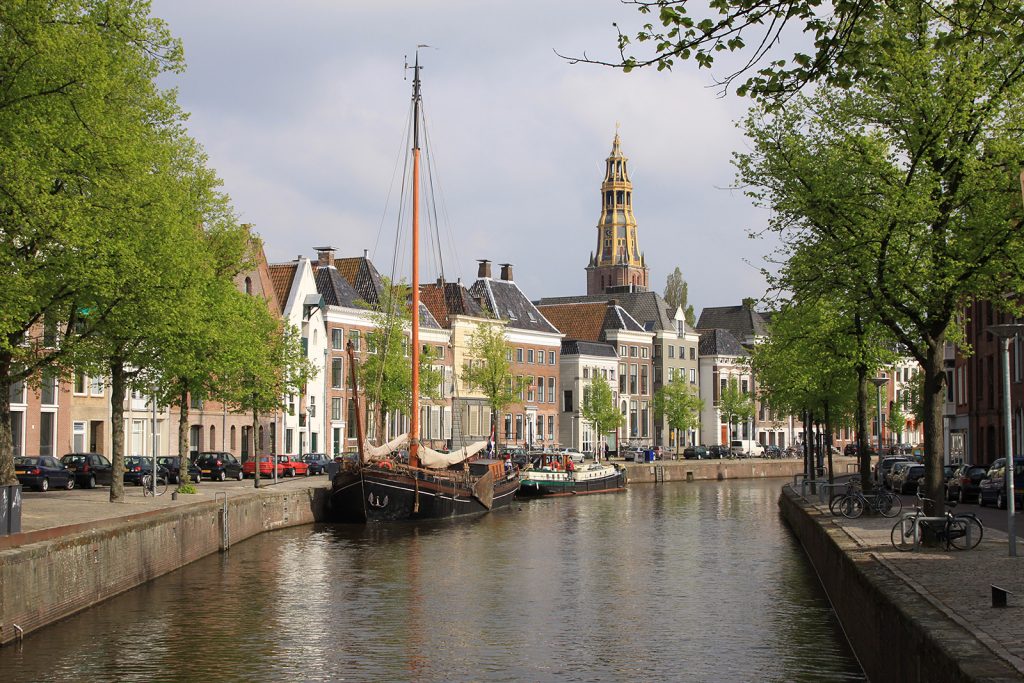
557,475
385,484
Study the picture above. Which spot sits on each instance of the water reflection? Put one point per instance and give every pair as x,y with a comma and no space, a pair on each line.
696,581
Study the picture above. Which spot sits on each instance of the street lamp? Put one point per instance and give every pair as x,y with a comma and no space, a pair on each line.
1005,333
879,382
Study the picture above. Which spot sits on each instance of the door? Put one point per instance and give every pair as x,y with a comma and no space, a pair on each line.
104,471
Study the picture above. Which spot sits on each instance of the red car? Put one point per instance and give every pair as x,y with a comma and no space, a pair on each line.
291,468
266,467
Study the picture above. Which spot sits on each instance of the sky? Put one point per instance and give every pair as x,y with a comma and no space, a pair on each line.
302,109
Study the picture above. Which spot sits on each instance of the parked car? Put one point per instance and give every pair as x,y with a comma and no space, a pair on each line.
718,451
888,477
883,468
963,486
573,454
219,465
172,464
317,462
267,463
696,453
907,479
288,467
136,467
90,469
991,489
41,472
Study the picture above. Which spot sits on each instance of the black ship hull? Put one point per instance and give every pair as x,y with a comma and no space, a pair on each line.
372,494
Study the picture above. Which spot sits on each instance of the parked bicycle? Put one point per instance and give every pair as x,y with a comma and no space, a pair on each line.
148,488
852,503
962,531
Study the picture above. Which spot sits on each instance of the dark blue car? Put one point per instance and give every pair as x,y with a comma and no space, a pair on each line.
317,462
42,472
136,467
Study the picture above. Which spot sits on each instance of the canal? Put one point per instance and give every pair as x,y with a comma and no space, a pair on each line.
677,582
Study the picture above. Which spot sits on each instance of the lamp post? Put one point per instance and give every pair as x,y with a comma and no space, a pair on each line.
1005,333
879,382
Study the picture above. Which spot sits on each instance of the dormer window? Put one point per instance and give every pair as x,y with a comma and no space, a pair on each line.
533,318
512,315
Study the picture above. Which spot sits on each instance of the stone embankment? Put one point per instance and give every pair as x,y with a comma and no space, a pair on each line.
704,470
52,572
925,615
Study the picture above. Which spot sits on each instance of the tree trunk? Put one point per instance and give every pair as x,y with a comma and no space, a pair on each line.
118,390
183,478
7,475
807,445
934,398
828,444
255,455
863,449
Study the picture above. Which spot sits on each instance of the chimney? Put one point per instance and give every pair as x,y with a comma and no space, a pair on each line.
485,268
366,253
324,256
612,303
506,272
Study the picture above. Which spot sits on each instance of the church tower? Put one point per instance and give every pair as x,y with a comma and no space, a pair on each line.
617,265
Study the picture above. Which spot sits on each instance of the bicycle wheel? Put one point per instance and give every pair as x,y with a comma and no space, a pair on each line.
890,505
161,486
902,535
835,503
964,533
852,507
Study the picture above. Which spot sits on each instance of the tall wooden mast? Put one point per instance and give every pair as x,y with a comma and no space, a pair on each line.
414,418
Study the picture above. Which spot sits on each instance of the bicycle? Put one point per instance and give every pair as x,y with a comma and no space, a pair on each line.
148,488
962,531
853,502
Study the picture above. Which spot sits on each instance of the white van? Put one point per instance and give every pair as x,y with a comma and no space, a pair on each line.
742,448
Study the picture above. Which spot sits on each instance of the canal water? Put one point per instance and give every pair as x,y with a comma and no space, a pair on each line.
675,582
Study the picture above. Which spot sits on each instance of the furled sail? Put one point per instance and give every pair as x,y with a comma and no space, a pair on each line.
371,453
436,460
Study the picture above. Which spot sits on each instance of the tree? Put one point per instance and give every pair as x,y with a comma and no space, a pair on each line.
679,403
489,370
77,109
896,422
735,403
599,409
266,370
905,186
755,28
386,373
676,295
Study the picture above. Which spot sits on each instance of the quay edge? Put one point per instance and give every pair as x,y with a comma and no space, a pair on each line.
55,573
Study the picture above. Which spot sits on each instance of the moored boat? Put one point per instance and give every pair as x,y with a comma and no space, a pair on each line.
556,475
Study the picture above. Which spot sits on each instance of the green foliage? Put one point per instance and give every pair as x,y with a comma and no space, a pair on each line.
735,404
598,408
386,373
679,403
488,369
676,292
187,489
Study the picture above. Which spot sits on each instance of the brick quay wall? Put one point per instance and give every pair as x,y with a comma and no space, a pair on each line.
58,572
704,470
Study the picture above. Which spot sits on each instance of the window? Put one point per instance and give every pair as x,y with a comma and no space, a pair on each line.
623,352
586,373
47,422
693,376
336,409
632,352
551,427
540,428
80,384
195,402
633,369
567,400
644,389
551,357
643,352
521,389
744,386
338,339
644,415
350,426
671,374
519,355
17,431
529,355
622,378
233,437
540,389
671,351
693,352
519,427
508,426
48,388
508,355
337,372
353,337
633,423
551,389
95,386
439,352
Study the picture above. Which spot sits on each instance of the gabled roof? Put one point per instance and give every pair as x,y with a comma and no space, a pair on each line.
507,302
360,272
743,321
282,275
719,342
589,321
335,289
647,308
445,299
577,347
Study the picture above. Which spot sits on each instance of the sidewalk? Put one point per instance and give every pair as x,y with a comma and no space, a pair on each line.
58,512
956,582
